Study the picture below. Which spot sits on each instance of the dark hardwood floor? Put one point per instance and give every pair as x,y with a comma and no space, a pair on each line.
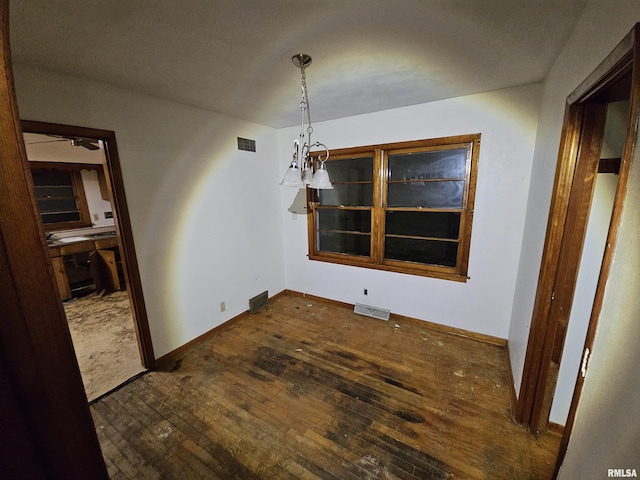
309,390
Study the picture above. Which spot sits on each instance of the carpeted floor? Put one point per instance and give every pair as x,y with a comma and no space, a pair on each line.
104,340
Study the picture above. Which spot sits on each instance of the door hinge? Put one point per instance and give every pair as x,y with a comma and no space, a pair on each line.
585,362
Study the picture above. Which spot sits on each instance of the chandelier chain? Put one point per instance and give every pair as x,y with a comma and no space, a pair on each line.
300,170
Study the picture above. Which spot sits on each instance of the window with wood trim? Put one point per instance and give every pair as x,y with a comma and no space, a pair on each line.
60,196
403,207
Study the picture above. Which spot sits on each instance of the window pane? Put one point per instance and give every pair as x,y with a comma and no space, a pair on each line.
428,165
56,205
350,220
423,224
445,194
51,177
53,191
350,195
350,169
348,243
431,252
56,196
48,218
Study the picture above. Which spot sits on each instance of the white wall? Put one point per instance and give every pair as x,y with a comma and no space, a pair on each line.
602,26
507,121
205,216
98,207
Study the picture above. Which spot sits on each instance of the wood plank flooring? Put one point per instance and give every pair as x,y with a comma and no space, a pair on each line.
309,390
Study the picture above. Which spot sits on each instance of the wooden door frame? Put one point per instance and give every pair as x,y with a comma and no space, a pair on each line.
44,406
546,334
633,46
122,220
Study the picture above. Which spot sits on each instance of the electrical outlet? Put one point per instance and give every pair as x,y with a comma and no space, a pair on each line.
96,217
223,307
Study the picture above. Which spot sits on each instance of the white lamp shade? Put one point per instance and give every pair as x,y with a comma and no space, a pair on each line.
321,180
292,177
307,174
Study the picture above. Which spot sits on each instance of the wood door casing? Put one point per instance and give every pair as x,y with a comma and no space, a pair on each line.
563,244
50,415
575,227
115,187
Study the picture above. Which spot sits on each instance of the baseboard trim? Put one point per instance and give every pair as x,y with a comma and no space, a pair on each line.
512,383
480,337
555,429
173,354
318,299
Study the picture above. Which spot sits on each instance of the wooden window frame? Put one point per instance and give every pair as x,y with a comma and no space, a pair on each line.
379,208
78,191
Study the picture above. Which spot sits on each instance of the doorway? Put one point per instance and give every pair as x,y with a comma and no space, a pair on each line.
598,139
89,240
594,245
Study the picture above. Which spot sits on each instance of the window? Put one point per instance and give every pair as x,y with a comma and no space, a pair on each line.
403,207
60,197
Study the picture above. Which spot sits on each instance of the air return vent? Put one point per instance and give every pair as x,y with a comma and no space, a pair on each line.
369,311
259,301
246,144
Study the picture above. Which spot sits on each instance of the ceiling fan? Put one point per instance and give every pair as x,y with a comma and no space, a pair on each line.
85,142
88,143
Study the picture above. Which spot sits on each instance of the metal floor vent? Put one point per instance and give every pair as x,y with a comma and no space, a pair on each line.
259,301
369,311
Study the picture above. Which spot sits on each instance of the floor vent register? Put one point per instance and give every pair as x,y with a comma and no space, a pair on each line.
369,311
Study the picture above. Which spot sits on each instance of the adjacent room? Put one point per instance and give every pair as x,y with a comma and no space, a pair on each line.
337,221
76,211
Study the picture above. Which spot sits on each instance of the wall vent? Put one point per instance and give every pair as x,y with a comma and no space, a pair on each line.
259,301
246,144
369,311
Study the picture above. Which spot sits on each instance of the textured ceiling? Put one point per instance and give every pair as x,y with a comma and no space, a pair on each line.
234,57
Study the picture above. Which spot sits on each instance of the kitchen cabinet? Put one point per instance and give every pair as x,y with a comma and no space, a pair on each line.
89,263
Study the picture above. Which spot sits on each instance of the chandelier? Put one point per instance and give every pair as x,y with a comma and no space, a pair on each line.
300,172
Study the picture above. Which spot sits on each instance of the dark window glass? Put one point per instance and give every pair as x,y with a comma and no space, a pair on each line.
351,195
421,251
351,170
65,191
48,218
346,220
56,205
423,224
51,177
428,165
445,194
351,244
56,196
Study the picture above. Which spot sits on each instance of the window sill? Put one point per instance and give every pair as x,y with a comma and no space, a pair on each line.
442,273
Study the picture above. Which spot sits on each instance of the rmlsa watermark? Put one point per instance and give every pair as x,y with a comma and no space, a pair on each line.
622,473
